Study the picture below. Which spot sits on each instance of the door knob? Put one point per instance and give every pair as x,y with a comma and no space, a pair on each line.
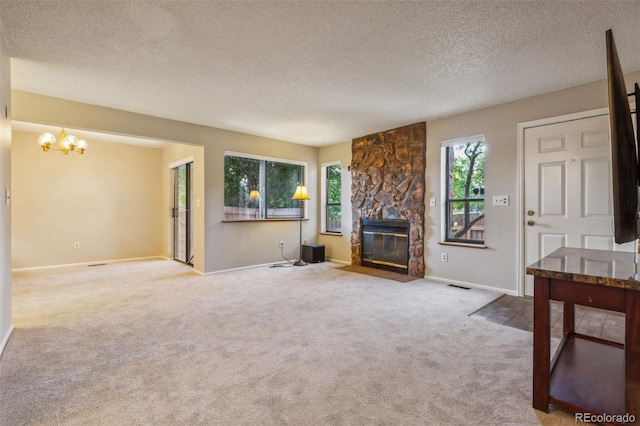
530,223
530,213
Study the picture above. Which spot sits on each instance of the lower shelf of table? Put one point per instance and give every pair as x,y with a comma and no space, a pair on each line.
589,376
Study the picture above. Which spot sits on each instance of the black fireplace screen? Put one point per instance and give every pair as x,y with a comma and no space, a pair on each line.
385,244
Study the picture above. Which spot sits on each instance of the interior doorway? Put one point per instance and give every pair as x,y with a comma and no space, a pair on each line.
182,213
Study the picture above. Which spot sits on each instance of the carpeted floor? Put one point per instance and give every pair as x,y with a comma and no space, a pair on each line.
150,342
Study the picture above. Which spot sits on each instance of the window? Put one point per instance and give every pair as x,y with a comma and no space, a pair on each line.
260,187
333,200
463,166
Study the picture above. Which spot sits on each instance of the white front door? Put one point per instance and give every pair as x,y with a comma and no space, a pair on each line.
567,184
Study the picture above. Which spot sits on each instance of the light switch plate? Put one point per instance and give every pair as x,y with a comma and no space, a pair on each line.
500,200
432,202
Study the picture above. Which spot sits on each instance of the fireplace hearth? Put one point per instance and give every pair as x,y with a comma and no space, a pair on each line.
385,245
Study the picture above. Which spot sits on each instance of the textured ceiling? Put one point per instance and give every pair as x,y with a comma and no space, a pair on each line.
314,73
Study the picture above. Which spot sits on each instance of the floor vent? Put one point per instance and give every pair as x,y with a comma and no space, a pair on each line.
459,286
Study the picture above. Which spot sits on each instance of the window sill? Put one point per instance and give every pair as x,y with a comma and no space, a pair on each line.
333,234
279,219
475,246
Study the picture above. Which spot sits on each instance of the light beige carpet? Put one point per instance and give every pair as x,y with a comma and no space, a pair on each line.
149,342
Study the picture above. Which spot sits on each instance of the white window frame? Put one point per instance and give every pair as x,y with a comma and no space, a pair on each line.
443,186
305,180
323,195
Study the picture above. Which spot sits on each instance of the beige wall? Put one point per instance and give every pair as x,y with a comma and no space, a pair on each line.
238,244
226,245
171,154
5,184
497,266
233,245
109,200
338,247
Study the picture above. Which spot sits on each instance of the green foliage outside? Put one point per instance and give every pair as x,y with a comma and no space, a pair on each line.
334,191
466,182
281,184
182,185
275,181
468,172
241,175
334,198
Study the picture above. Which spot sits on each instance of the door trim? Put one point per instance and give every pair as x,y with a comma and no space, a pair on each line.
188,163
520,250
181,162
171,193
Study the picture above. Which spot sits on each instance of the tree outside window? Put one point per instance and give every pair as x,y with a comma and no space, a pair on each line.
334,198
260,189
465,192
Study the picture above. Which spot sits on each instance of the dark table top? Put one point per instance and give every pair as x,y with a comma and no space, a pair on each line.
598,267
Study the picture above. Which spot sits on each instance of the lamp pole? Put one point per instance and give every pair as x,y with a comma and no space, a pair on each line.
300,262
300,195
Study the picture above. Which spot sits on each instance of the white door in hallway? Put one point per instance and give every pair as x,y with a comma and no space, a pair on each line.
568,198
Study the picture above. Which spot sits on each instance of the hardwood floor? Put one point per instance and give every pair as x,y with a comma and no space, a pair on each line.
517,312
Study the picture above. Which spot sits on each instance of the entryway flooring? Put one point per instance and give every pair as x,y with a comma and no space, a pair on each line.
517,312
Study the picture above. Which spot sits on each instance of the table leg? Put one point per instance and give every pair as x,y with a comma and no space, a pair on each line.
541,344
569,319
632,353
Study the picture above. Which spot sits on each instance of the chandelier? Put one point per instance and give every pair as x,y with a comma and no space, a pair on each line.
66,143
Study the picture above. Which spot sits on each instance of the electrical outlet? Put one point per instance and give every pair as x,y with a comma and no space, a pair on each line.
445,257
281,244
501,200
76,245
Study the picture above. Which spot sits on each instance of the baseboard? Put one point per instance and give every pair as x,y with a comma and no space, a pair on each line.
472,285
95,262
338,261
6,340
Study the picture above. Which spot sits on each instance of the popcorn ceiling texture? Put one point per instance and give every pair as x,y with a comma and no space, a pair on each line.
311,72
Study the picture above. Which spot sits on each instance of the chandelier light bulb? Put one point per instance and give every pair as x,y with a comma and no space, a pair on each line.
70,142
46,140
82,145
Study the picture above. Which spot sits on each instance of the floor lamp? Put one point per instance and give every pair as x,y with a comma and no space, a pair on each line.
300,195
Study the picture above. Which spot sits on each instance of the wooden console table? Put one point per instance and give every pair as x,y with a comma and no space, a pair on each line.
586,374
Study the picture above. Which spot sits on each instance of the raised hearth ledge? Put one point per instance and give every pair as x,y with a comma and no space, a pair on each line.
272,219
475,246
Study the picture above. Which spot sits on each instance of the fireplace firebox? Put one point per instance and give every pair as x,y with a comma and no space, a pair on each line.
385,244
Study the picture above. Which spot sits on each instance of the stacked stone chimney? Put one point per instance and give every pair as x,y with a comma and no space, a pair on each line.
387,175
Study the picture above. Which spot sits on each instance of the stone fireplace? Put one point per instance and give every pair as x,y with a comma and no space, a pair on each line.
387,174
